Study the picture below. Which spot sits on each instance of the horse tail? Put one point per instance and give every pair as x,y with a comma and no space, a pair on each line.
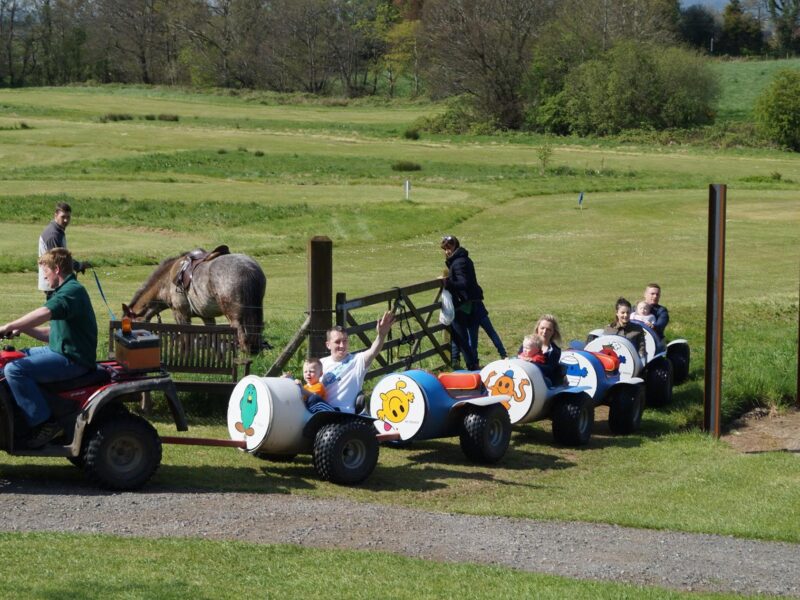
252,315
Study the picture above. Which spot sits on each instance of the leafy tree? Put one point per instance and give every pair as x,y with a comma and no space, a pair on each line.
777,110
481,48
403,55
741,32
785,16
583,29
698,26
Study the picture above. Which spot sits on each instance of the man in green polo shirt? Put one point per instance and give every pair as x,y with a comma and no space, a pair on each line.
71,350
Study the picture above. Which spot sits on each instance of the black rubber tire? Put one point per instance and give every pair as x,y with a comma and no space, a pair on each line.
345,452
625,409
679,356
573,418
658,380
122,453
279,458
485,433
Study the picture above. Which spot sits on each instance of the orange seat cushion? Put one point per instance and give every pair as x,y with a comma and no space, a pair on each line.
610,363
460,381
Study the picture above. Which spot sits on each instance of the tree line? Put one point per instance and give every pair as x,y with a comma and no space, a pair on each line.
519,63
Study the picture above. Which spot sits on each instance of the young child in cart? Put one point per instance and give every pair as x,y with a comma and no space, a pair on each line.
312,387
532,350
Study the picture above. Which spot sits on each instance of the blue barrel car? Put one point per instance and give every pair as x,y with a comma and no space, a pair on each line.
591,379
663,366
419,405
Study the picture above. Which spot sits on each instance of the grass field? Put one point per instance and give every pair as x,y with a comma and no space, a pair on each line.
262,178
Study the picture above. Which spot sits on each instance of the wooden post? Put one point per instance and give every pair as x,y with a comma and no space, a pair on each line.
320,293
715,279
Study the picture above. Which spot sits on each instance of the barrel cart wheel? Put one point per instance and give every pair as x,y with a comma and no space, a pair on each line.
485,433
573,418
679,355
658,380
122,452
345,452
625,409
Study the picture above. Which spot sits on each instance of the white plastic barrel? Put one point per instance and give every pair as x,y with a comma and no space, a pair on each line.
523,382
268,413
630,364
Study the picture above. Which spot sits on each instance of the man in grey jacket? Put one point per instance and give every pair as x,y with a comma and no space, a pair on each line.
55,236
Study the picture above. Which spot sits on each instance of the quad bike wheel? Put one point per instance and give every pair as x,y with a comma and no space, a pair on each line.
345,452
573,418
123,452
485,433
658,381
625,409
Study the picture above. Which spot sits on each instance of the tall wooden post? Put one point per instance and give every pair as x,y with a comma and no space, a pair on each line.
320,293
715,280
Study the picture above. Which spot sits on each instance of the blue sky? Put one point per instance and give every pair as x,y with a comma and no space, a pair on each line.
715,4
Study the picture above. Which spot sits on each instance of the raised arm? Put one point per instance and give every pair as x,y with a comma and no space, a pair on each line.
382,330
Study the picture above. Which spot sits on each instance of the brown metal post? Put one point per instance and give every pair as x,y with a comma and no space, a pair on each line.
715,279
320,293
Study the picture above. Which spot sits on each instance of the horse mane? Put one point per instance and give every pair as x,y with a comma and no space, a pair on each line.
160,272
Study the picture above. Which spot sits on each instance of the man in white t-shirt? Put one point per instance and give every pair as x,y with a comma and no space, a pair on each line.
343,373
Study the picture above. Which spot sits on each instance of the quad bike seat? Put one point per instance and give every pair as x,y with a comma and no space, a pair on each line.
98,376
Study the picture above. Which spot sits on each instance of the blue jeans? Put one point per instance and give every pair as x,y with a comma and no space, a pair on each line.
486,325
464,339
42,365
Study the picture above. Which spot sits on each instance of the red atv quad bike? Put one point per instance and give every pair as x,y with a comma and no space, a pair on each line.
116,448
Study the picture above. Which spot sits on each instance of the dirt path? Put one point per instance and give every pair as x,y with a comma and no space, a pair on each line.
581,550
765,430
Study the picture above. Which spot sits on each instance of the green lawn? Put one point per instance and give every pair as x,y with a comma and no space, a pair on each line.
743,81
263,178
94,567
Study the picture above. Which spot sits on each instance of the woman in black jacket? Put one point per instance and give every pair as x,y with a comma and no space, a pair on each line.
462,284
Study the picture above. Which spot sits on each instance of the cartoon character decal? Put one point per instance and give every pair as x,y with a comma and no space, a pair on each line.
504,385
394,405
580,372
398,405
248,406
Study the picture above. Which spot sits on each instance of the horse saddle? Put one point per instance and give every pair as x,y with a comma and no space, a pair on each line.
183,280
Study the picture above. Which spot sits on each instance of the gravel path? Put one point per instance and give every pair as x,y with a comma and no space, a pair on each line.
669,559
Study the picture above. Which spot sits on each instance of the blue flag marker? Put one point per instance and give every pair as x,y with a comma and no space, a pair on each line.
580,201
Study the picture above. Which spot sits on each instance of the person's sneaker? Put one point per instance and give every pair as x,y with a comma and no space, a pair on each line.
44,434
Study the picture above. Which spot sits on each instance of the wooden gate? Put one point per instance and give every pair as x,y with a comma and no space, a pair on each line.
412,338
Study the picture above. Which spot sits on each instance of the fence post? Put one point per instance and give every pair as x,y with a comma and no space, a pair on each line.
320,292
715,279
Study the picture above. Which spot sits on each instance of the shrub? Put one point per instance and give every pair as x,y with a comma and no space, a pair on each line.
777,110
168,117
115,117
258,153
406,165
411,134
636,86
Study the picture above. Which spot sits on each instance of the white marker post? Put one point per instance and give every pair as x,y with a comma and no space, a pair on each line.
407,189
